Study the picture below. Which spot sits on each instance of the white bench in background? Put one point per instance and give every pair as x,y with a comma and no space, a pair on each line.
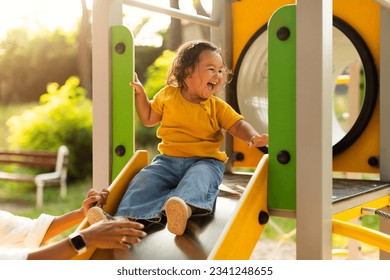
58,161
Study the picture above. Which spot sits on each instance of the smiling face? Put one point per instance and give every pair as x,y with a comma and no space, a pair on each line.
206,77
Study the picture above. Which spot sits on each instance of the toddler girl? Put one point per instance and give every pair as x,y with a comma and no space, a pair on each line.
183,179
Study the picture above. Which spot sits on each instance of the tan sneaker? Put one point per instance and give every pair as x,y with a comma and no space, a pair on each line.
177,212
96,214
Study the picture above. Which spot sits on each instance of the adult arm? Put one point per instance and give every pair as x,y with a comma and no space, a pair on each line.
70,219
105,234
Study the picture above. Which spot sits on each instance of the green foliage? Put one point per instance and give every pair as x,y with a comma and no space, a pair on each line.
29,62
145,56
371,222
156,77
6,111
157,73
64,116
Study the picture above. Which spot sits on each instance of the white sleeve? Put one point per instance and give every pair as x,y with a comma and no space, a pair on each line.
13,254
22,232
38,231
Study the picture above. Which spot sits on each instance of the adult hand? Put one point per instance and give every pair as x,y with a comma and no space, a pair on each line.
113,234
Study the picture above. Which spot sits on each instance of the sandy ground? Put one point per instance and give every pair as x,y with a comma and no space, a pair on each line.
269,249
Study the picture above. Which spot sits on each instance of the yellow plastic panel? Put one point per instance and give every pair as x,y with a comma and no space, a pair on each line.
364,17
243,230
248,17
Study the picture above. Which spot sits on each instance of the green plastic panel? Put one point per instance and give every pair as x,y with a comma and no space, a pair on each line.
282,109
122,110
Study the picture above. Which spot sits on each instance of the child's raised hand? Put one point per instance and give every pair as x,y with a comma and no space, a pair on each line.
259,140
138,88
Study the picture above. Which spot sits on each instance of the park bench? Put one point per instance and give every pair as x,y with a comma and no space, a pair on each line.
56,161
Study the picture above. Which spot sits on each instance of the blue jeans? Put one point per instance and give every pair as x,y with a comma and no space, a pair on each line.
195,180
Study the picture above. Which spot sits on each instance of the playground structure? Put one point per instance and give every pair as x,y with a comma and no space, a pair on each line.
297,172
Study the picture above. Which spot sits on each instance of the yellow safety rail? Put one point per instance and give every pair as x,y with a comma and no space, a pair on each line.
356,212
363,234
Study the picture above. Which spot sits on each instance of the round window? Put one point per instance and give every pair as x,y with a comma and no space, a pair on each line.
355,84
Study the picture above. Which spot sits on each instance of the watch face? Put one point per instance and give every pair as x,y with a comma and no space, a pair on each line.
78,242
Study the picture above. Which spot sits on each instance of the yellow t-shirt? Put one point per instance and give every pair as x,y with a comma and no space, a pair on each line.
189,129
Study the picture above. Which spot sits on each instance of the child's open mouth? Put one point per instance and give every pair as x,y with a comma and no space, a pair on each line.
211,85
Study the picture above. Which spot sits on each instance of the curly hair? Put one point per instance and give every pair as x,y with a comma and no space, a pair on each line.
188,57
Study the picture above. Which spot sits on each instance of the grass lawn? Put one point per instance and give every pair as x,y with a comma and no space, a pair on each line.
20,200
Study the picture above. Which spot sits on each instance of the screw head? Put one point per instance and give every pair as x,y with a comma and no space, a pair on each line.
263,217
120,150
283,157
120,48
373,161
239,156
283,33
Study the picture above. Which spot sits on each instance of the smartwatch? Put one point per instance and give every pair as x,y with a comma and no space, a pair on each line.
78,243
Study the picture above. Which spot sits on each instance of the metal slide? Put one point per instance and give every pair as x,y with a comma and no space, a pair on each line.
231,233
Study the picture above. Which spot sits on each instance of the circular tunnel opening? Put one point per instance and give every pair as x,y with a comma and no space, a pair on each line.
355,84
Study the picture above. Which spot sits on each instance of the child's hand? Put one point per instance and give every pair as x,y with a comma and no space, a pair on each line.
94,198
259,140
138,88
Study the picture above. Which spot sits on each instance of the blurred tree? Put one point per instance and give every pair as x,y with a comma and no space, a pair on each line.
157,73
64,116
202,12
175,31
146,55
28,63
85,52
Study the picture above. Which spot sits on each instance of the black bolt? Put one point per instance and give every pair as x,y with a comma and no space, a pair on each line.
283,157
239,156
120,151
283,33
373,161
120,48
263,217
